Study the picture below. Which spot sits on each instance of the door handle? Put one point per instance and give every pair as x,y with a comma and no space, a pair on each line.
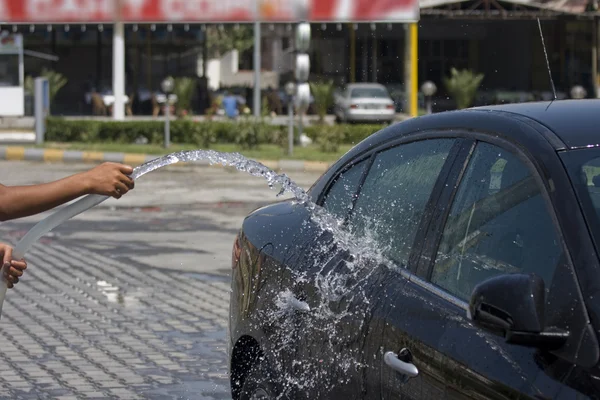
408,369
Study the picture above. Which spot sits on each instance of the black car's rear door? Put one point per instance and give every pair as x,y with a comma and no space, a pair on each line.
493,218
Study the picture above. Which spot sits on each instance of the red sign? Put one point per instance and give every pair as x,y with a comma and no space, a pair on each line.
87,11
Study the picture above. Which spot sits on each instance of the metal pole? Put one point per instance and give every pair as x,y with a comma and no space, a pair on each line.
291,128
257,64
168,124
119,70
40,108
428,100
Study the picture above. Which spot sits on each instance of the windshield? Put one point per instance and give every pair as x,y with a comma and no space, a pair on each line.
369,92
584,169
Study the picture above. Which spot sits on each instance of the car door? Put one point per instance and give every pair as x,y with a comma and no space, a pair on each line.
339,353
493,218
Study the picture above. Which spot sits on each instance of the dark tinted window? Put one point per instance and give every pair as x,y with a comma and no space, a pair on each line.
9,70
369,92
499,223
395,193
338,200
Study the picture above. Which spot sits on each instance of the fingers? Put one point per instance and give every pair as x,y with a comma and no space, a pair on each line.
127,181
126,169
120,189
13,271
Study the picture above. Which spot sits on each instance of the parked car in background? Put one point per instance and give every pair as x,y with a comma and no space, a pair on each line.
476,272
364,102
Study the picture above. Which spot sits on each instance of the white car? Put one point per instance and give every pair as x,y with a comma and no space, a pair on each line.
364,102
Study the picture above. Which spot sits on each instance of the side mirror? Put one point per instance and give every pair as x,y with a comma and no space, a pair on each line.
513,306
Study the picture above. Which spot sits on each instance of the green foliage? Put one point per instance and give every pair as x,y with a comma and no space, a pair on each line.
265,110
184,89
247,133
352,134
251,134
56,81
463,85
323,94
224,38
330,138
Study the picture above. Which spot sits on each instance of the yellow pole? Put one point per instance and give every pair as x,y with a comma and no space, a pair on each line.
414,69
352,53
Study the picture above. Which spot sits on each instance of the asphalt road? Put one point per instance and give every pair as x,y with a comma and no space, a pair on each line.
130,299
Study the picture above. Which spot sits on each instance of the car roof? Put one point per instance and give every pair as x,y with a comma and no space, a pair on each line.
575,122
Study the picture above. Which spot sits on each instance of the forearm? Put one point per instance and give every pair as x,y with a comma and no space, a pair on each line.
23,201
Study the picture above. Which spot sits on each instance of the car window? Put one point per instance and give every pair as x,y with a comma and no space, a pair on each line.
499,223
338,200
395,193
369,93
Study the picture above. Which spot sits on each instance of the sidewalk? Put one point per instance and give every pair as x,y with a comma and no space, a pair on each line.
21,153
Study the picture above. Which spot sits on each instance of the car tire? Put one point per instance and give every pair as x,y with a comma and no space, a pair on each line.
260,383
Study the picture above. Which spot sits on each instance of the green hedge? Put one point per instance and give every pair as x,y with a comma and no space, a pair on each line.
247,134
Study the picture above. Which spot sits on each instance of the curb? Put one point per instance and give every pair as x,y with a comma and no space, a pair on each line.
20,153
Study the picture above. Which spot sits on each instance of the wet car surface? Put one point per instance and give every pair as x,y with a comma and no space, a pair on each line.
470,270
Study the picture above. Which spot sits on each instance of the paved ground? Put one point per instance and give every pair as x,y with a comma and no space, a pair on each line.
130,299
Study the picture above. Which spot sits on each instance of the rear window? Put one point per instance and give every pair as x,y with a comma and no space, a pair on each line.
369,93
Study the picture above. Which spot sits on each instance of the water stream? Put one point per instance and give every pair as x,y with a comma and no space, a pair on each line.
236,160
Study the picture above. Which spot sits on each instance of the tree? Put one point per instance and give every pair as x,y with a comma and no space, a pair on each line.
184,90
463,85
56,81
219,39
323,94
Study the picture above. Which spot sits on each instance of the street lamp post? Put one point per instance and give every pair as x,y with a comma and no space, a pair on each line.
302,71
578,92
167,87
428,88
290,89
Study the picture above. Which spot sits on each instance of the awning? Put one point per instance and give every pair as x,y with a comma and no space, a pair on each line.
563,6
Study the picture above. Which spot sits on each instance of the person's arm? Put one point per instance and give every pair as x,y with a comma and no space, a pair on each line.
109,179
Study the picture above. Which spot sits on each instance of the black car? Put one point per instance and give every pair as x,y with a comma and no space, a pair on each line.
464,265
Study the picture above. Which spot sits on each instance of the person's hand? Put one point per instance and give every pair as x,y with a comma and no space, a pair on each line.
109,179
12,269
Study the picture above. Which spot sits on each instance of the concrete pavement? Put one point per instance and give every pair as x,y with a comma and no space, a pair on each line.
128,300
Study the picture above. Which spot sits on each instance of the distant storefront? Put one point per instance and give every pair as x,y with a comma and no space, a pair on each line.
500,39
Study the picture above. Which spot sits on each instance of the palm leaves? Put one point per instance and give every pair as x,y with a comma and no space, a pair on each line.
463,85
323,95
56,81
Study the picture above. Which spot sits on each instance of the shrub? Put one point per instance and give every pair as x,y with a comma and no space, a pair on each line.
330,138
251,134
352,134
463,85
247,133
